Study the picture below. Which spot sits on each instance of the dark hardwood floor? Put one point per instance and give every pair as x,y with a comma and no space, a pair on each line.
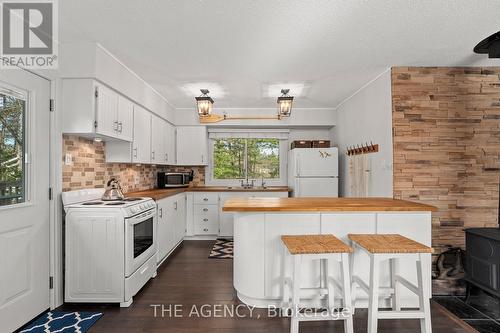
189,278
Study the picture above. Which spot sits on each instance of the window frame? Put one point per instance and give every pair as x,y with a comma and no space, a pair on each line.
28,127
283,156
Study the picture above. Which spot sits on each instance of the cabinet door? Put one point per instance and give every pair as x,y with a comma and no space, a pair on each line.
141,150
180,224
106,111
161,232
169,140
157,142
226,225
125,127
192,145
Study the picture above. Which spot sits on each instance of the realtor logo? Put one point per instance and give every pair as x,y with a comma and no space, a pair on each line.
29,33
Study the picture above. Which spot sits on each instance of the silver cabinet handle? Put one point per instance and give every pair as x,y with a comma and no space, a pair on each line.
166,157
120,126
115,127
205,199
202,158
205,220
135,152
153,155
205,209
205,229
175,205
161,212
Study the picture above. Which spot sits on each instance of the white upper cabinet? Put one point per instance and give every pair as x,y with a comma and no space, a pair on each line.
93,110
125,119
158,154
192,145
141,146
169,140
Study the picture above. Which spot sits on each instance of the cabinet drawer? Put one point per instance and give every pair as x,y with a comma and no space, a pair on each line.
206,219
206,229
135,282
206,210
206,198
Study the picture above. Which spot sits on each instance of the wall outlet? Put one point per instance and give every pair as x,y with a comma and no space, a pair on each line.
68,159
136,180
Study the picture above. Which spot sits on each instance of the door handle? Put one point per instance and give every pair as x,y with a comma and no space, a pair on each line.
115,127
175,205
153,155
120,126
205,199
205,229
161,212
205,209
135,152
205,220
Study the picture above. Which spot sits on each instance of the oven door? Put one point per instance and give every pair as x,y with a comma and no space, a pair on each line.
140,240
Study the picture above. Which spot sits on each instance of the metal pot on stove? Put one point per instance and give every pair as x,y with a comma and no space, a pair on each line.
113,191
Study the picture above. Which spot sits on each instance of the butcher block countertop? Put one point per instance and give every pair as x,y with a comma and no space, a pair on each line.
158,194
323,205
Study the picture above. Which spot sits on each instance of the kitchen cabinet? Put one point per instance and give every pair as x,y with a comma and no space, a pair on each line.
192,145
206,213
226,218
169,141
171,224
91,109
158,153
141,146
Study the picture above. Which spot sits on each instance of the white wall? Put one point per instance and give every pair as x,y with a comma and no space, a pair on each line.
364,117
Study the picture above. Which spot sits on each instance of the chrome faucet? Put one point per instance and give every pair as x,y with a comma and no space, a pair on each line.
262,183
247,184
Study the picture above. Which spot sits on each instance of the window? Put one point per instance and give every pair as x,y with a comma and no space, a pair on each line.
12,148
235,158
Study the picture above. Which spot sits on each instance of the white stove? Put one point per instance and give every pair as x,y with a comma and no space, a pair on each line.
110,246
91,198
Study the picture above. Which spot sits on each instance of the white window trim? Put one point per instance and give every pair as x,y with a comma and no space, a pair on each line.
282,181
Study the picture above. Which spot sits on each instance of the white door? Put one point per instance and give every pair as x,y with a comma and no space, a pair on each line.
24,197
316,187
107,111
125,119
192,145
317,162
141,150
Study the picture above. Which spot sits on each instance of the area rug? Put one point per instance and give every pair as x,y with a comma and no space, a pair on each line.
223,249
63,322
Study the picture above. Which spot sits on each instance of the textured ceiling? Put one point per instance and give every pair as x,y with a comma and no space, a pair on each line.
327,48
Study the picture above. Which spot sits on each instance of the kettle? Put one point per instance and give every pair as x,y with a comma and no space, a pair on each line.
113,191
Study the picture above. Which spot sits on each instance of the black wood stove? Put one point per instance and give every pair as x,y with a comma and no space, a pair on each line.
483,259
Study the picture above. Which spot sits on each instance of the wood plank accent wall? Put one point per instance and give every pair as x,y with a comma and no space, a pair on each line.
89,169
446,131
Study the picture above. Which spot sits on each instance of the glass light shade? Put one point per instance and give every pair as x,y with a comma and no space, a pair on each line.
205,105
285,106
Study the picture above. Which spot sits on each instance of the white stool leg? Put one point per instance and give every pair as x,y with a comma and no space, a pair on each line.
353,284
285,287
346,284
425,306
329,270
394,262
373,297
294,323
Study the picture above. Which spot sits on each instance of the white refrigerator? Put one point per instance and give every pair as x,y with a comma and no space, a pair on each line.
313,172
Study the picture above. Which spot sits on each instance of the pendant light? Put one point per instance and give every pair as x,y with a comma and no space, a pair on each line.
285,104
204,103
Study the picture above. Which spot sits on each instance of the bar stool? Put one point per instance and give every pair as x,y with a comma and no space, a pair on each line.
330,251
392,247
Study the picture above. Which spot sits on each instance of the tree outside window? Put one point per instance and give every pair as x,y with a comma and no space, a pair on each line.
237,158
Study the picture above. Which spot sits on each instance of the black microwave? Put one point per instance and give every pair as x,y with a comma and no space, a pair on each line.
174,179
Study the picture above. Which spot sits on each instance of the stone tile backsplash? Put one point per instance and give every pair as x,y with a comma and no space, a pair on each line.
90,170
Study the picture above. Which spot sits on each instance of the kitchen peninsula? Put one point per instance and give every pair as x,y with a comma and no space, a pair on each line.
259,223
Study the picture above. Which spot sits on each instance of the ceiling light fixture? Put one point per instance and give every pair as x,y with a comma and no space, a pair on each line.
285,103
204,103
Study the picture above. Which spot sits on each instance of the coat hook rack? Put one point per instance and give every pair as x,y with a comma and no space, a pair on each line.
364,149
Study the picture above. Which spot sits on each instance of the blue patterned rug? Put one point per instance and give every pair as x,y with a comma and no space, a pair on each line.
63,322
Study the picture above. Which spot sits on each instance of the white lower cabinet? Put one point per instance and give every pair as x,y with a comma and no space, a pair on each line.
171,224
226,219
206,213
